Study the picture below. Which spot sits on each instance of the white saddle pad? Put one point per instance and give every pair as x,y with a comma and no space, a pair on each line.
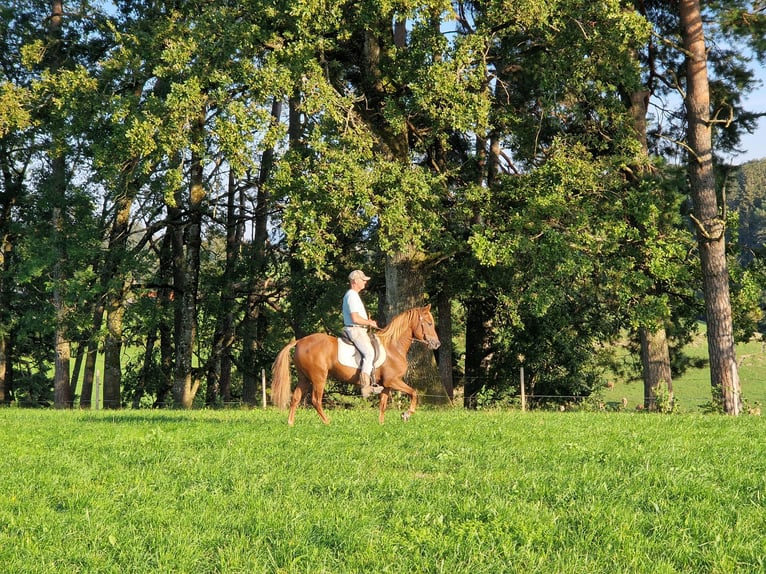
350,356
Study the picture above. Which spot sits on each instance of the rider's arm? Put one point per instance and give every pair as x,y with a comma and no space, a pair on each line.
359,320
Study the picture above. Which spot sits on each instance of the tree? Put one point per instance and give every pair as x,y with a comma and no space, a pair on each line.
559,79
663,78
709,222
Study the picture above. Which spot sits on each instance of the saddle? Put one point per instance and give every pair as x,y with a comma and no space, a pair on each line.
350,356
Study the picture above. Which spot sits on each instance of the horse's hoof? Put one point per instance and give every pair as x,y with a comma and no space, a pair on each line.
406,416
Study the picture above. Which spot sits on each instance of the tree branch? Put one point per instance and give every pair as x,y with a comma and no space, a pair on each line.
683,145
703,230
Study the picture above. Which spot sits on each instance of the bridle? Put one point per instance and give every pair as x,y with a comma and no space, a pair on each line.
420,321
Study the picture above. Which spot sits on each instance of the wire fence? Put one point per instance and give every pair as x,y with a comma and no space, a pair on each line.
338,399
341,395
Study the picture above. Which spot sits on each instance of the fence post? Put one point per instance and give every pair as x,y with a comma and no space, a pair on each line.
98,388
523,390
263,386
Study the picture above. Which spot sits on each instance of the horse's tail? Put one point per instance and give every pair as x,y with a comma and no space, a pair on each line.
280,377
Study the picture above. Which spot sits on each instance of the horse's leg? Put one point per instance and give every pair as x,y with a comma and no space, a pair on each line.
384,396
303,387
316,400
400,385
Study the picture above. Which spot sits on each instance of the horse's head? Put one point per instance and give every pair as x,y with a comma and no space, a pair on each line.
424,329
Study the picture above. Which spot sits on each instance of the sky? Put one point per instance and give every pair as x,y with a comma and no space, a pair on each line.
755,144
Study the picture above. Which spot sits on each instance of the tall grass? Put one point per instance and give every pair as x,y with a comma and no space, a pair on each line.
451,491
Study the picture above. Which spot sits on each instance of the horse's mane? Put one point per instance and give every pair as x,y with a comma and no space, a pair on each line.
397,327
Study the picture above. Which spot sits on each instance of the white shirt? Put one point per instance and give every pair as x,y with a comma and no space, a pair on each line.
352,303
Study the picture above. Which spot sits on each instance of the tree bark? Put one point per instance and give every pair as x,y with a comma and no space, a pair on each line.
254,322
62,390
477,347
655,363
91,354
711,236
165,300
405,285
146,367
444,330
405,276
219,368
4,364
113,353
114,294
186,263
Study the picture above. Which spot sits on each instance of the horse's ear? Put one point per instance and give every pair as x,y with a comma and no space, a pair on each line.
427,307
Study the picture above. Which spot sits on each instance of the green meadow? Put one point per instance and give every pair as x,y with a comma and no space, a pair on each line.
237,491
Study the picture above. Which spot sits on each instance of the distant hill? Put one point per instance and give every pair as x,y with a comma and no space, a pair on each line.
748,197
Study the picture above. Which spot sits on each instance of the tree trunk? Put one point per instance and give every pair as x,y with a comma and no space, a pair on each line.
12,189
477,329
91,354
444,330
61,384
62,390
655,353
655,363
219,370
6,248
249,361
186,263
405,277
146,367
165,302
254,323
477,347
711,236
405,285
4,363
115,310
113,354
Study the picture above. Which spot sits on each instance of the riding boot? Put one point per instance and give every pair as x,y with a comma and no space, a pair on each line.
376,387
364,380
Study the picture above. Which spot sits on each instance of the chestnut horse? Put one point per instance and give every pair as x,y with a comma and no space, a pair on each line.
316,358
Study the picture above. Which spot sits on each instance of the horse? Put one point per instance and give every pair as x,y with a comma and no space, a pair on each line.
316,359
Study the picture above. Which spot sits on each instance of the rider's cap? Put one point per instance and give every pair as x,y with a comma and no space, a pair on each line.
357,274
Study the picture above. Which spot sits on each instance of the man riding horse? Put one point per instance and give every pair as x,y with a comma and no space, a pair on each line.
355,323
317,357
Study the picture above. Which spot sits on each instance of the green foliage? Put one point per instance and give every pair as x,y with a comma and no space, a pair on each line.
465,492
564,67
560,298
409,208
663,400
14,115
494,398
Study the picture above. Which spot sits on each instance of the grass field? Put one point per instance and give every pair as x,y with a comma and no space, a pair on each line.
451,491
